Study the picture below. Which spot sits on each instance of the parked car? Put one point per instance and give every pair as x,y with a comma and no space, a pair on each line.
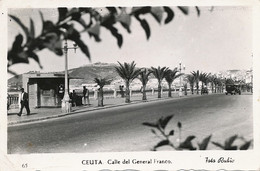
232,89
204,91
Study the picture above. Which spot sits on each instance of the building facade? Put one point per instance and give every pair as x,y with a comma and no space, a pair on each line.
44,89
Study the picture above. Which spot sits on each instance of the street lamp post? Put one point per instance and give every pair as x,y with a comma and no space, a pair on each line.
181,68
66,106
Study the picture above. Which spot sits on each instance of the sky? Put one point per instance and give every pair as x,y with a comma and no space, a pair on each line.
215,41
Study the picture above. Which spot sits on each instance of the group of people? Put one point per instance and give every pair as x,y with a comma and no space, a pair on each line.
85,97
121,89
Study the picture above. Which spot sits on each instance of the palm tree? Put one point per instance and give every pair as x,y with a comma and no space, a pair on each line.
211,80
205,79
170,77
191,80
222,84
216,82
202,78
144,77
160,74
229,81
185,88
196,75
219,83
128,72
101,82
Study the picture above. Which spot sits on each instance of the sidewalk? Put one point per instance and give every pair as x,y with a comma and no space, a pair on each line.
38,114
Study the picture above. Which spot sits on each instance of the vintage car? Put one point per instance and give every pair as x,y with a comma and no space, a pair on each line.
204,91
232,89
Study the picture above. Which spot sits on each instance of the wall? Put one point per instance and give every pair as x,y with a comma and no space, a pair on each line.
48,98
33,100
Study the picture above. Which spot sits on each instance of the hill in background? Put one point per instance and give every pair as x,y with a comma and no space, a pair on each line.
105,70
89,72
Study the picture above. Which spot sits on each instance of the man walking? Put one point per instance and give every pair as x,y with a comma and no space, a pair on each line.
24,101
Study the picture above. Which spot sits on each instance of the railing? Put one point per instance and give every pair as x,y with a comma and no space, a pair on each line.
12,101
117,93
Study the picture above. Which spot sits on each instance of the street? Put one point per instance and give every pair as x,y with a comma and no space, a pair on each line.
120,128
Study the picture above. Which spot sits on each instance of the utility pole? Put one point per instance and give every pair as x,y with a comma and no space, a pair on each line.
180,68
66,105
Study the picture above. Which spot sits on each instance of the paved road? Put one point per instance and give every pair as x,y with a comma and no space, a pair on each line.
121,129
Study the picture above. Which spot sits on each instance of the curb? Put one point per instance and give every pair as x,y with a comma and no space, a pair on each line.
95,109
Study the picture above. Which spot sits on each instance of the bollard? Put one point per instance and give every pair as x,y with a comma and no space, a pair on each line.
180,93
114,95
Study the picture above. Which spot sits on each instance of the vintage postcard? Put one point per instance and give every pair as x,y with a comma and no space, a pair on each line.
112,85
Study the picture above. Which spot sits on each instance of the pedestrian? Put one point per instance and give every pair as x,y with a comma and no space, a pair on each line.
123,90
24,101
74,98
61,91
85,96
121,87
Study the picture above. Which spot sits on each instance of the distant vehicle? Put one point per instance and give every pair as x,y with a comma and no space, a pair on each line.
232,89
204,91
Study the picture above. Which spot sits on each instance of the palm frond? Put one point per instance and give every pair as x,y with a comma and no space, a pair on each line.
102,81
159,73
127,71
144,75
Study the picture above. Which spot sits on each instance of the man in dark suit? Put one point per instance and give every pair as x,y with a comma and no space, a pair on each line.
24,100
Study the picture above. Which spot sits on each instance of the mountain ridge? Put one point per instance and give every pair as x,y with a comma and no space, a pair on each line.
87,72
96,70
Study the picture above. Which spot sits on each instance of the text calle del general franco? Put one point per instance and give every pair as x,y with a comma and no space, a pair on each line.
125,161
